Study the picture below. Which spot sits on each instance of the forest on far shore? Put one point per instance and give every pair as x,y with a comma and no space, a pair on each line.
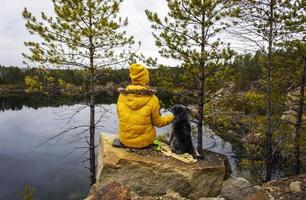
47,80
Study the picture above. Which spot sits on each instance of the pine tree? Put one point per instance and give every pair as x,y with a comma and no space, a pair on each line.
300,112
296,30
189,35
261,23
84,34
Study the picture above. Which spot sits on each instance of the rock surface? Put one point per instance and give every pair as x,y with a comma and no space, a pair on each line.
168,196
115,191
112,191
238,189
291,188
296,186
150,173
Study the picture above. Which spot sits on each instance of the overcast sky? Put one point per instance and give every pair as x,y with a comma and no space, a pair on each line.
13,32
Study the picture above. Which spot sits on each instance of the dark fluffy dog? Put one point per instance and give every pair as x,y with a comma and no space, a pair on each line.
180,139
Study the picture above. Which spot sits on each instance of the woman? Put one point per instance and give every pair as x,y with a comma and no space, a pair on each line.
138,111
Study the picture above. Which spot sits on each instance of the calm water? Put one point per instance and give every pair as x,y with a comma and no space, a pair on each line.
56,169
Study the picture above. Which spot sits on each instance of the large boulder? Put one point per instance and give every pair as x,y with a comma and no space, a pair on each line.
240,189
291,188
149,173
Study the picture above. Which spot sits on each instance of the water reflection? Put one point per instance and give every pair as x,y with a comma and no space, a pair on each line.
12,101
51,169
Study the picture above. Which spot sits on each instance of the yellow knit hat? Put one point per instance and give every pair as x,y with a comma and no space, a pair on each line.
139,74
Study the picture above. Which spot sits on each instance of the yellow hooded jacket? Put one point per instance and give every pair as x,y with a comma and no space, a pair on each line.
138,111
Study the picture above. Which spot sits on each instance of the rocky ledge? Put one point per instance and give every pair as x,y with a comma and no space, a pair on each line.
145,172
130,174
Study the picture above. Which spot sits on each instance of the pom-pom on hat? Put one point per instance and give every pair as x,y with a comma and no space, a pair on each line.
139,74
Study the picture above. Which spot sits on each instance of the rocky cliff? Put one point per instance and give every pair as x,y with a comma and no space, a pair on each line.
129,174
149,173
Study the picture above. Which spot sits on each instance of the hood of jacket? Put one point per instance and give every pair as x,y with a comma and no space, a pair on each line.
136,96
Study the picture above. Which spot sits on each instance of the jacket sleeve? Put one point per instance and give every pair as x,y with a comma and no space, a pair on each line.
157,119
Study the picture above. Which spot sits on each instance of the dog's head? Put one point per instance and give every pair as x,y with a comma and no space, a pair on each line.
180,112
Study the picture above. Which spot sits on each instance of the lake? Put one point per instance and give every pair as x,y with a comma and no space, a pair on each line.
55,169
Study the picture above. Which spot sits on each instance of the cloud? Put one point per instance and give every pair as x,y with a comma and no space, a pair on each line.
12,29
13,32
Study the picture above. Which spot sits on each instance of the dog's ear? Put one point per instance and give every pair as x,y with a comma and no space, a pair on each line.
171,109
188,112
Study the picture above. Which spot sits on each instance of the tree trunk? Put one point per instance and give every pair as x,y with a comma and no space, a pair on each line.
92,156
200,120
298,124
92,126
201,88
268,142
